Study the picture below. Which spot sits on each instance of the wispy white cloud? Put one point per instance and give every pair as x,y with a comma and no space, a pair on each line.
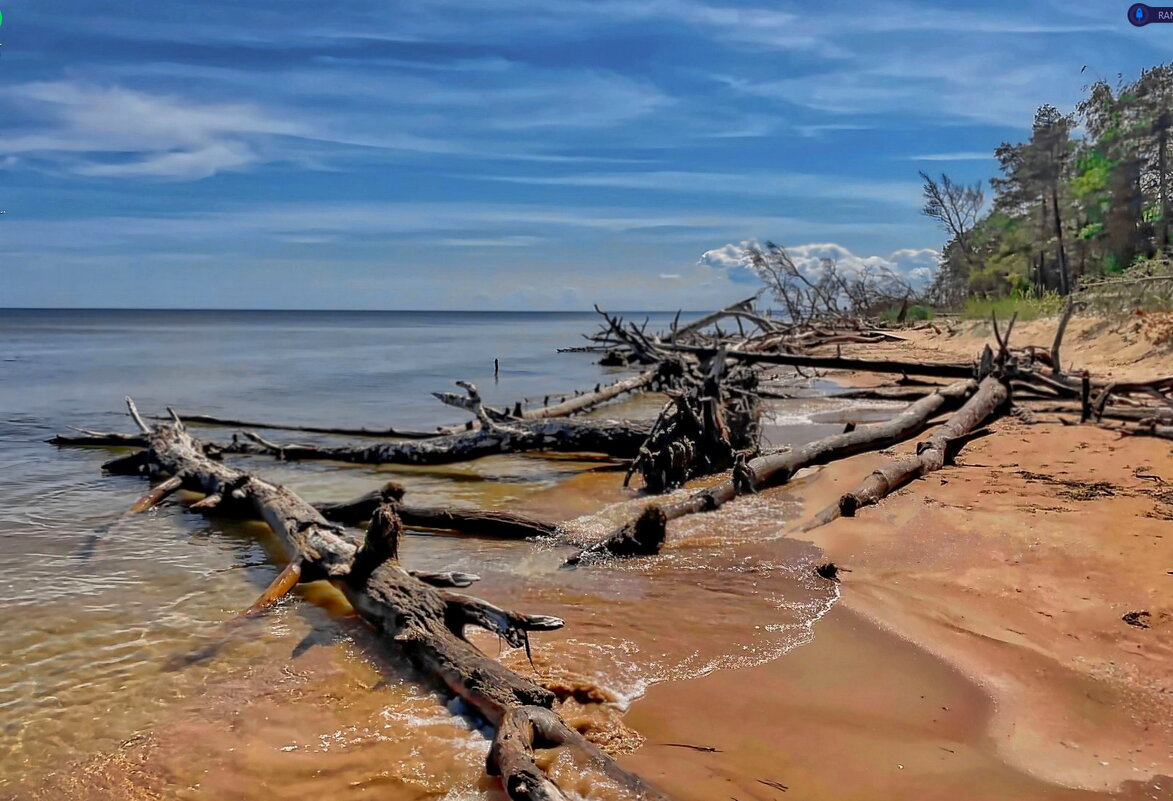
105,128
166,137
915,265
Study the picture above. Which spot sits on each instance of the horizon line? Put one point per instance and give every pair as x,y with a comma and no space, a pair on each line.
358,311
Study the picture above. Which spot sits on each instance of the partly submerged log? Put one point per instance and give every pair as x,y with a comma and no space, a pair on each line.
646,534
391,432
589,400
427,624
618,438
932,453
478,522
666,373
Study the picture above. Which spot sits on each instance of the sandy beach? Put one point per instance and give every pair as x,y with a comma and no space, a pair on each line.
978,650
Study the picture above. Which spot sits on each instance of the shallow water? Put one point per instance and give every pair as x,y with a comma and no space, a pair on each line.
93,703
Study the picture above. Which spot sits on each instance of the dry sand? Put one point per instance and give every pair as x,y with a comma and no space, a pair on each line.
979,650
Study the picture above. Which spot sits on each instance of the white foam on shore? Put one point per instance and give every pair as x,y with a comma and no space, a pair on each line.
807,411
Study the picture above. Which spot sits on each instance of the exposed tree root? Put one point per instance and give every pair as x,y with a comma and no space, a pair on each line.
702,429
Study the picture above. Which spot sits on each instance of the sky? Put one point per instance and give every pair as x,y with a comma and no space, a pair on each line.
503,154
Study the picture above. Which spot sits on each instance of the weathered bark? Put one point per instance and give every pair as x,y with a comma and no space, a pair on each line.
1144,430
99,439
1068,310
395,433
642,348
617,438
589,400
703,322
701,429
663,374
426,624
573,405
931,454
1161,389
937,369
773,469
484,523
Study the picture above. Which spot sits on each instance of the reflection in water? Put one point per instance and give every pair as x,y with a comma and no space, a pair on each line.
304,700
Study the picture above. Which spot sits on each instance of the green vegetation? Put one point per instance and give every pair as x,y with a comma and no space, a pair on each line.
1067,210
916,311
1027,305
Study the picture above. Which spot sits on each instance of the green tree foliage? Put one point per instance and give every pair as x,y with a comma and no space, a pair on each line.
1087,195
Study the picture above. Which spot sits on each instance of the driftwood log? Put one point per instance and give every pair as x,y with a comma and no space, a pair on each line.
574,404
935,369
645,535
589,400
932,453
485,523
391,432
427,624
618,438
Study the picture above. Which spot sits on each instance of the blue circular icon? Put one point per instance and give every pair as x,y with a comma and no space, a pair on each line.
1138,14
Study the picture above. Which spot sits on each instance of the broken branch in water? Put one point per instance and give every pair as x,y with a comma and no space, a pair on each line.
505,525
426,624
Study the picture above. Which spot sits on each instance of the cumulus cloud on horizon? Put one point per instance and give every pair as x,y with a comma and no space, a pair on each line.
914,265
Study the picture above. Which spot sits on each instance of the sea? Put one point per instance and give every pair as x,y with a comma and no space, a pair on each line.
116,677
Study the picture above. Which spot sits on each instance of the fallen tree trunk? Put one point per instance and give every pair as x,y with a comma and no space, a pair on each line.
1151,428
936,369
663,374
617,438
589,400
504,525
427,624
931,454
646,534
398,433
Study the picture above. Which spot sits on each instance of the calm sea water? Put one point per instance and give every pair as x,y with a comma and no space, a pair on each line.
94,613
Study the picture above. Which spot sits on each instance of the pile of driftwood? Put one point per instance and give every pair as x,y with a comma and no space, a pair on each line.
712,382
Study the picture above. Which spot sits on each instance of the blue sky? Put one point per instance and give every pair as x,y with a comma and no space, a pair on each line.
507,154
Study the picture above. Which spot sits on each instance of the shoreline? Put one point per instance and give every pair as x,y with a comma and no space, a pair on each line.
999,584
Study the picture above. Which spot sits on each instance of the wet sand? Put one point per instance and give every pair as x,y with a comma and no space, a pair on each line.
978,650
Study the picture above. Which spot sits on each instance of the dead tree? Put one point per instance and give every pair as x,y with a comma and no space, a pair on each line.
931,454
425,623
702,429
484,523
646,534
617,438
934,369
